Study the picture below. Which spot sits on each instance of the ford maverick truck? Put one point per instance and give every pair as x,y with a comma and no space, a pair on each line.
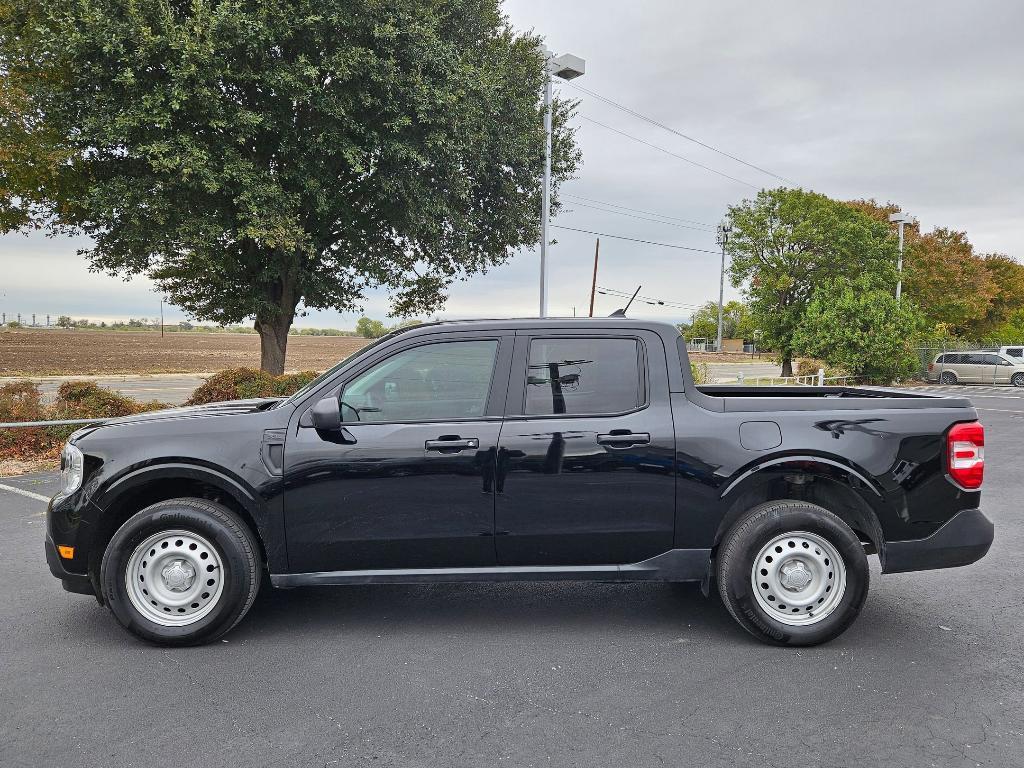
520,450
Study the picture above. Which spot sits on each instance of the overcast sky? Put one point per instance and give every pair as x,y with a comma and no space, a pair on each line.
920,103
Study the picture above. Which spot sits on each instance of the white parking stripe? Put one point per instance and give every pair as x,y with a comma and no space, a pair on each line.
23,492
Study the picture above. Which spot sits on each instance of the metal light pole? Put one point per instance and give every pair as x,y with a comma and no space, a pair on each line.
566,67
721,239
901,218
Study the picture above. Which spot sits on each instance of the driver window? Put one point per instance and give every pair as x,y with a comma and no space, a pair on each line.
446,380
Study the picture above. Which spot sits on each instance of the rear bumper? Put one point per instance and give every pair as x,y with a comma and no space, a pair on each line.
963,539
78,583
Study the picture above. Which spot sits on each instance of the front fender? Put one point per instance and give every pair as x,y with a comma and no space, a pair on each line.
135,478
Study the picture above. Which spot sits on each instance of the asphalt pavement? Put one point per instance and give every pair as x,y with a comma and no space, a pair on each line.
173,388
932,673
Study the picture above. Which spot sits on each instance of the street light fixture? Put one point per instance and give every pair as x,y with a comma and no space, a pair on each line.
902,219
567,67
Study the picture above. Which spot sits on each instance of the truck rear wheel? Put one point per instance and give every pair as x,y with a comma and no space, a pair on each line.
181,572
792,573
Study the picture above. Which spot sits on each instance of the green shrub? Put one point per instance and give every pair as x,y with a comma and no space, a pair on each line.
86,400
20,401
290,383
246,383
700,373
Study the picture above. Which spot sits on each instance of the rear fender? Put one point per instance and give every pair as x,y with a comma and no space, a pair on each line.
844,490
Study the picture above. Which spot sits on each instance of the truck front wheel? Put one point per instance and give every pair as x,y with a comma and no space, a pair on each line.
181,572
792,573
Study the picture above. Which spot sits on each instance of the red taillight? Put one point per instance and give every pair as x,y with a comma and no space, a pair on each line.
931,366
965,454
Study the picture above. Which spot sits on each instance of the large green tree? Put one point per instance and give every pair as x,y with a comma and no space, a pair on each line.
958,290
859,327
785,243
736,322
255,158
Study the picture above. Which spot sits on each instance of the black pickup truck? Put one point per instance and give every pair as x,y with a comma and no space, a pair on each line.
520,450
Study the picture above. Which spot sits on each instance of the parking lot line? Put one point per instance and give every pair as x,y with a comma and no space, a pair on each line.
23,492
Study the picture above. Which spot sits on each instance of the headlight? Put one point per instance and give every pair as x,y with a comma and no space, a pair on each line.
72,465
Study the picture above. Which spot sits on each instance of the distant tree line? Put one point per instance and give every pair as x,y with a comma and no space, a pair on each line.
147,324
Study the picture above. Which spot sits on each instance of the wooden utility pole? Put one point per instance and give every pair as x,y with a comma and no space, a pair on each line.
593,283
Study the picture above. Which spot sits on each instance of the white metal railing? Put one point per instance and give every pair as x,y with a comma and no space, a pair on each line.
809,380
51,423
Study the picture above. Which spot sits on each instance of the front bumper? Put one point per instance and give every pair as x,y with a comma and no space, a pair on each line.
965,538
79,583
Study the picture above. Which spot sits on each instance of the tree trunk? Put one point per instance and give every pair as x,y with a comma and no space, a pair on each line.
273,342
787,365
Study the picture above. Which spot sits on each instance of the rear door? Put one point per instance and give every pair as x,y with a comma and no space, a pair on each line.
973,368
585,455
990,369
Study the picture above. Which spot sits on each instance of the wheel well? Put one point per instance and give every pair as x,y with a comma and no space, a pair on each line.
147,494
833,493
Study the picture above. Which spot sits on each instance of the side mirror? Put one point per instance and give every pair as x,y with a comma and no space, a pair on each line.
326,415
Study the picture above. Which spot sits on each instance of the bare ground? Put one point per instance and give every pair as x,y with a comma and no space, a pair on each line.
59,352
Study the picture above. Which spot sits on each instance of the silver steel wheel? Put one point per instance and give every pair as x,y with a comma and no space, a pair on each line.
1017,380
798,578
175,578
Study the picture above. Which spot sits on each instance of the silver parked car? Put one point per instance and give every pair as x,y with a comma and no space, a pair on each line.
977,367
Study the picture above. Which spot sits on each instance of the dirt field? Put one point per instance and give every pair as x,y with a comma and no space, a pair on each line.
56,352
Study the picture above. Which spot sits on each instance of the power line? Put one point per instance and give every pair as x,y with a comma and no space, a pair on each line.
647,299
637,210
634,216
669,152
636,240
672,130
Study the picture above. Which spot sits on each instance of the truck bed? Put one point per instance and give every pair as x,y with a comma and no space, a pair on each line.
795,398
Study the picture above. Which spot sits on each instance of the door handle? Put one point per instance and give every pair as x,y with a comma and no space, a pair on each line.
624,439
451,444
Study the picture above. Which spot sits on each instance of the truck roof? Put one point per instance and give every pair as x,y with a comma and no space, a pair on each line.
531,323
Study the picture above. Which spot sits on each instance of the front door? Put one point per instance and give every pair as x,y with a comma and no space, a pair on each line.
408,483
585,455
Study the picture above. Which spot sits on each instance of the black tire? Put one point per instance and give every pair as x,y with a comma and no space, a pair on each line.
1017,380
740,549
236,547
948,377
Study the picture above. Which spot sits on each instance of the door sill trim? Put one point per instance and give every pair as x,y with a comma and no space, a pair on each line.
673,565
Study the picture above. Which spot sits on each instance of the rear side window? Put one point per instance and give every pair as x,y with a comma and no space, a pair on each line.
1015,352
583,376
